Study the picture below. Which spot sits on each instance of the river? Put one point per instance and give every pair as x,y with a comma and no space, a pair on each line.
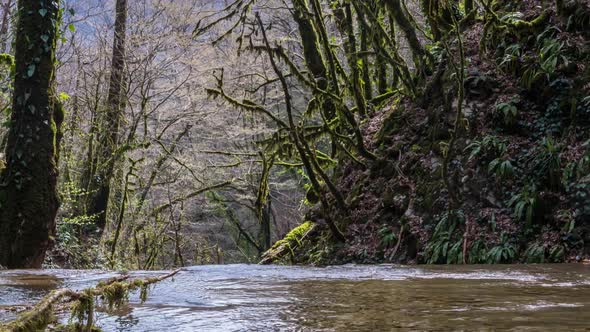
339,298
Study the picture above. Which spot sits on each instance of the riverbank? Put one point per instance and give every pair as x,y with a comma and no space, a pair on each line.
509,182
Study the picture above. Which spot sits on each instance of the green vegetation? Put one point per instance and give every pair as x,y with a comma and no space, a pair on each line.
288,244
112,293
521,125
413,132
438,132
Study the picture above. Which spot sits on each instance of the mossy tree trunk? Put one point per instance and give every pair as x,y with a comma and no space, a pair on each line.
315,62
311,52
111,122
344,19
380,63
469,6
265,226
367,84
310,164
263,203
418,50
28,196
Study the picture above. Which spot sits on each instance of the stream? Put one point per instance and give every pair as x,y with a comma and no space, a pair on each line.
339,298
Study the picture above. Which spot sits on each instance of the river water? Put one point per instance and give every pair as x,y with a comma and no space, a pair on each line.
339,298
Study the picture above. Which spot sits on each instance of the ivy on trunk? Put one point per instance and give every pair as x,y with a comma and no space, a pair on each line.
28,196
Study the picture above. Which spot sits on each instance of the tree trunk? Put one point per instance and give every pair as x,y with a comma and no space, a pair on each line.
325,78
262,203
89,163
344,18
469,6
311,53
71,126
111,123
4,35
266,226
418,50
367,87
28,196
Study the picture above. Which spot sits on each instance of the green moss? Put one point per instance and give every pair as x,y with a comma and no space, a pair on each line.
537,22
115,295
294,236
285,246
8,61
30,321
56,122
83,310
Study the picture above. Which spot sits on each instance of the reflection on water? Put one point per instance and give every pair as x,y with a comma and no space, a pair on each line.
344,298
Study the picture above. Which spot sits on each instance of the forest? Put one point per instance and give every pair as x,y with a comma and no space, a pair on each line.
150,135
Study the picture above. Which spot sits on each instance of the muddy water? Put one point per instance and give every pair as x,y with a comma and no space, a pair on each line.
343,298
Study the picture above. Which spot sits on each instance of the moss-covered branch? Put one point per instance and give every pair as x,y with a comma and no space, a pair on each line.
113,293
289,243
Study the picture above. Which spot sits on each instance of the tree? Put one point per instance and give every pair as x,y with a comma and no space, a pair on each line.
4,36
109,137
28,196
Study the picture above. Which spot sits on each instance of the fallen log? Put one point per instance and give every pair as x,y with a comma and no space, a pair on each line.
112,292
289,243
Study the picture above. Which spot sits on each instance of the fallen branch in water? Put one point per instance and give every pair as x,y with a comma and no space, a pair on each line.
113,293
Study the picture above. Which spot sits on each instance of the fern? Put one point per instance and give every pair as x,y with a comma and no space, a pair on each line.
509,112
525,204
505,252
535,253
502,168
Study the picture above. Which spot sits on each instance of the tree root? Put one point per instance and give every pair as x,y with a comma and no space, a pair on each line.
113,293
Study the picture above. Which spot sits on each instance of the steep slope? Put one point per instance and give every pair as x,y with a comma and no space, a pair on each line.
508,180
